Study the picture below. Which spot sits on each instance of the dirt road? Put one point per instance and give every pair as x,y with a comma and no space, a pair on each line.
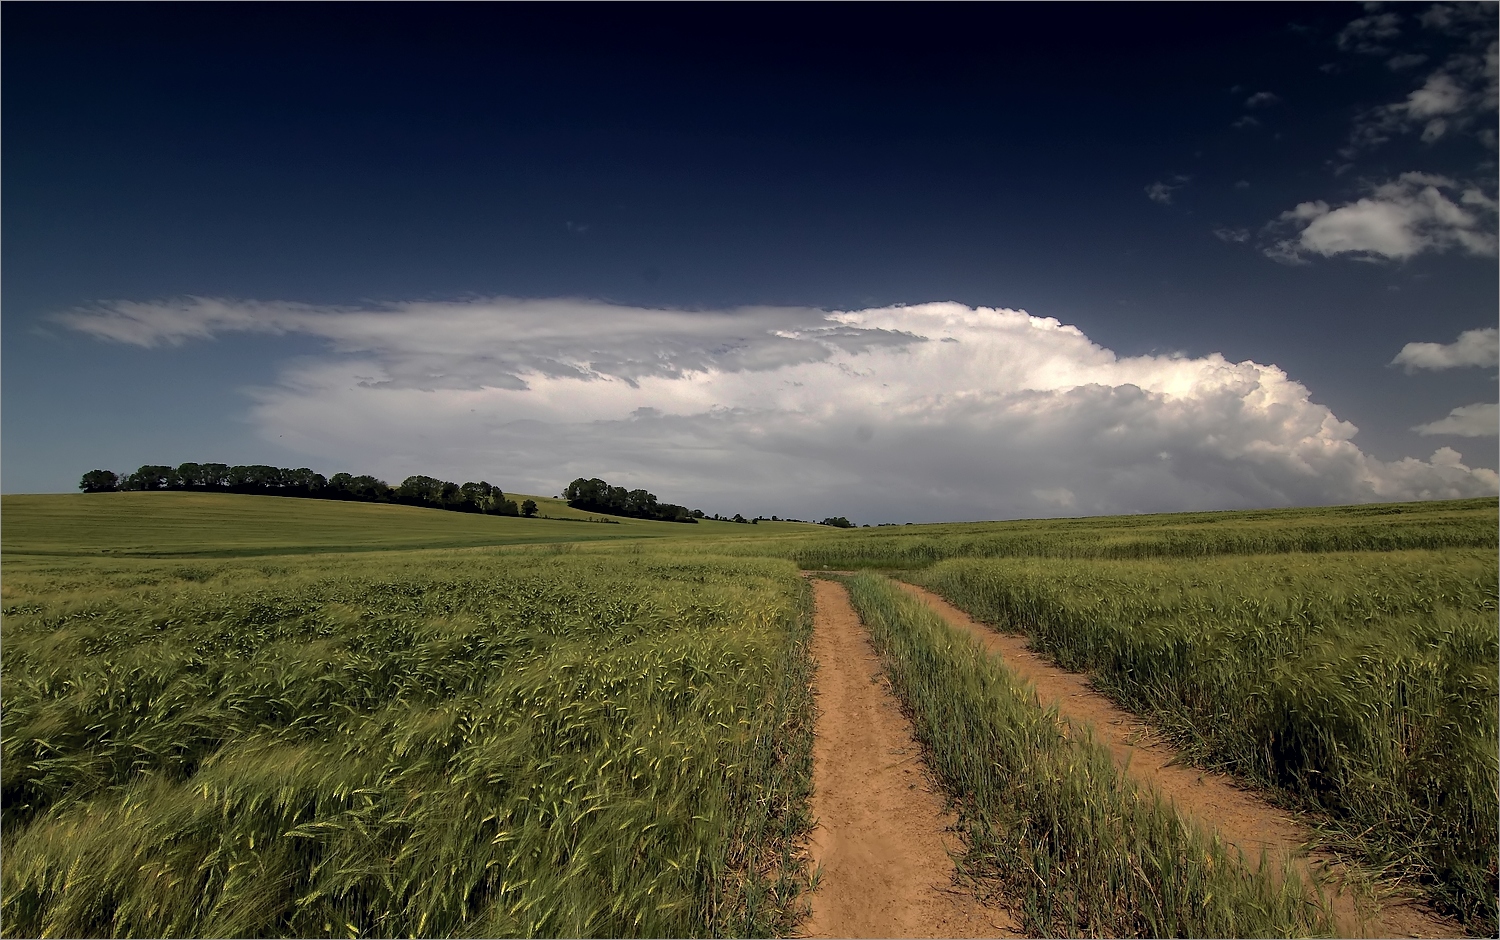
1241,817
882,838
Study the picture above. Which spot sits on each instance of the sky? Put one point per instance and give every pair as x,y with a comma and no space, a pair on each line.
901,263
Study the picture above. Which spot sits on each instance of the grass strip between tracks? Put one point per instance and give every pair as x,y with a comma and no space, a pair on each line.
1078,846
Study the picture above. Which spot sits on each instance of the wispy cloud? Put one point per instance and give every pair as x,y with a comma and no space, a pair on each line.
508,343
1479,420
1162,191
1448,100
1406,60
1457,96
1458,19
1261,99
1369,34
1410,215
935,411
1479,347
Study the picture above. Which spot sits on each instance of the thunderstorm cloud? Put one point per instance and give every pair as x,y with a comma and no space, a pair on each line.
924,412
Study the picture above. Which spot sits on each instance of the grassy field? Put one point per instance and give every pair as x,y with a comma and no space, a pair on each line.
1361,686
522,743
1446,524
1345,658
163,524
252,715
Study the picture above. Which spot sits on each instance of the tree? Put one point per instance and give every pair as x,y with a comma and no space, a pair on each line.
213,476
340,486
477,495
256,478
837,521
367,488
418,490
528,508
483,497
303,482
99,481
190,476
425,491
598,496
150,477
640,503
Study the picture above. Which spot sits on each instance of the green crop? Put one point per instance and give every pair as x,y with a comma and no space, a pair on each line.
610,735
1081,849
455,743
166,524
1361,686
1467,523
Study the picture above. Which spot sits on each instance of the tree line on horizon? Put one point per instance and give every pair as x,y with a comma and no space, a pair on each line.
598,496
589,495
261,480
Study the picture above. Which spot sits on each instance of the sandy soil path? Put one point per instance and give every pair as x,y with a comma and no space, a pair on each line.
1241,817
881,838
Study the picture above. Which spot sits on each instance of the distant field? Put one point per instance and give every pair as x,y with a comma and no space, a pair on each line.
1463,523
227,525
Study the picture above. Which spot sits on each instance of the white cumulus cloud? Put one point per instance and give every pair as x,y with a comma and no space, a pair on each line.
925,412
1479,347
1410,215
1478,420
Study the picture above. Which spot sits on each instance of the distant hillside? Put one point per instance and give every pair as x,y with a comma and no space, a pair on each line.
177,523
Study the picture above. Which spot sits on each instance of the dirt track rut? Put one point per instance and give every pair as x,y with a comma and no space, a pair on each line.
1241,817
882,837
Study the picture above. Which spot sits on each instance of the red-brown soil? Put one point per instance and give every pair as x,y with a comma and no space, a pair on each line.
1241,817
883,833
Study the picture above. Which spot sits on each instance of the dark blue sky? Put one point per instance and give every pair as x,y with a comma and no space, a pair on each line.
712,157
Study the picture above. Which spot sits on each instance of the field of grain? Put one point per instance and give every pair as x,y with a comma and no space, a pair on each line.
1081,850
415,744
1440,525
1342,658
1358,685
223,525
252,715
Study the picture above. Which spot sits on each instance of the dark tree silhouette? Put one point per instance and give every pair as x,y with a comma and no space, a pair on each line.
262,480
99,481
598,496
